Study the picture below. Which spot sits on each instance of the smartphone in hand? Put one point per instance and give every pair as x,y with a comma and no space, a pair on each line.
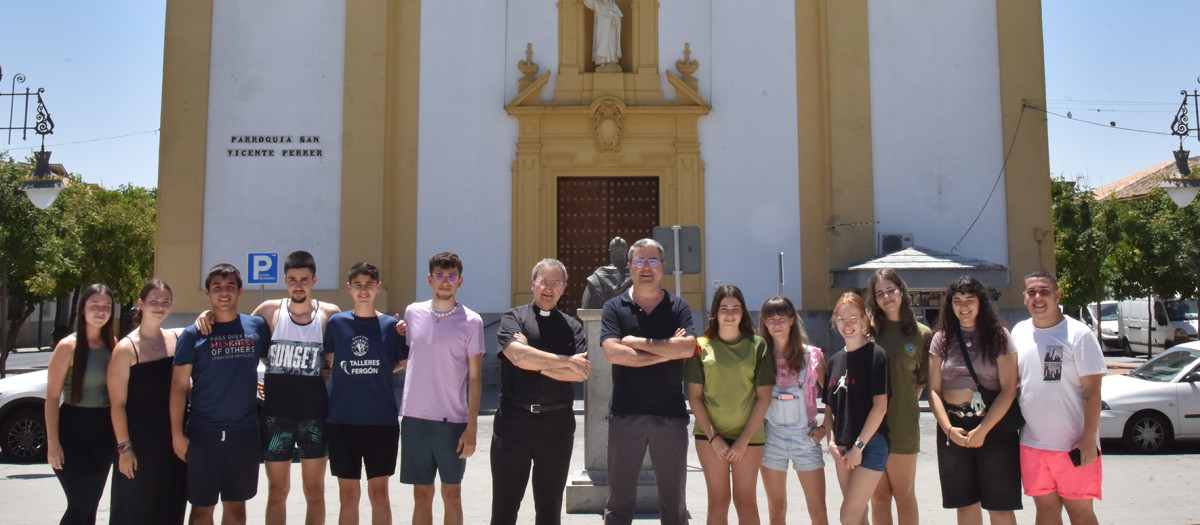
1075,456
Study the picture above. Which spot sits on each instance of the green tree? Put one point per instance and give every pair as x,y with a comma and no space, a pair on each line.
90,234
1083,240
21,234
1155,255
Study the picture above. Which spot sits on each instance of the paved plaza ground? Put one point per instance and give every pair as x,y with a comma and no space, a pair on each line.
1138,489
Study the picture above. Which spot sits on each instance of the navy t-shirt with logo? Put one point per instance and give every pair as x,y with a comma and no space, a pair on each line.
365,351
224,371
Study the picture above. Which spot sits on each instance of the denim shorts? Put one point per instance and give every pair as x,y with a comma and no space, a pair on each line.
875,455
787,434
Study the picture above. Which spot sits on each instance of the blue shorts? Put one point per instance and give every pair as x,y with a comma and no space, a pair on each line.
875,455
787,434
429,449
222,464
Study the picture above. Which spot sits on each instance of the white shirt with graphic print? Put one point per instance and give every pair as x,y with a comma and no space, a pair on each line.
1051,361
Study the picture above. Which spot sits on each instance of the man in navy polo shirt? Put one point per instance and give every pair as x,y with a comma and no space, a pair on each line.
647,334
221,444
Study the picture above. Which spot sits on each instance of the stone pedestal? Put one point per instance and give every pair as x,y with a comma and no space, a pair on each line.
587,490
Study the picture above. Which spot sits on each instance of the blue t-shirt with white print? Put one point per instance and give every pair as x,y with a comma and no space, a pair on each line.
224,371
365,351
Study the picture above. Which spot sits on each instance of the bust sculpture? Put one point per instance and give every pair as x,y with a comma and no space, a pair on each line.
608,281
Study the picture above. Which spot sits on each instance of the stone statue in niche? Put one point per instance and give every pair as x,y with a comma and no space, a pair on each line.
606,34
608,281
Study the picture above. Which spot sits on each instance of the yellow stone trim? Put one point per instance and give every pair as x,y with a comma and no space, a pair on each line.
812,118
400,155
834,130
637,84
557,141
1027,174
182,152
364,143
378,153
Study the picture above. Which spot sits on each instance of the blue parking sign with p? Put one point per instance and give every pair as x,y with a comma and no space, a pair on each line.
263,268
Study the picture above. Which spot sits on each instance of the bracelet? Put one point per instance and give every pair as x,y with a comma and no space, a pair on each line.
124,446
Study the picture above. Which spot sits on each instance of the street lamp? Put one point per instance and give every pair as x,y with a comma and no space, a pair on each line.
43,187
1183,190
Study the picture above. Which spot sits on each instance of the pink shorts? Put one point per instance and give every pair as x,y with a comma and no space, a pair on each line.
1049,471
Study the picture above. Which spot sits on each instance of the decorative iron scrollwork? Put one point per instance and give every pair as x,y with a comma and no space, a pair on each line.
44,124
1180,126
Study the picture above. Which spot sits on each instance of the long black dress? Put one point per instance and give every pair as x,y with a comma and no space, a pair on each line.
158,491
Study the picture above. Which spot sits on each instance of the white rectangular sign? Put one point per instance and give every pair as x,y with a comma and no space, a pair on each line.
274,150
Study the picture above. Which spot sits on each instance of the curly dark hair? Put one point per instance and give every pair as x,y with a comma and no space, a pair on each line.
988,324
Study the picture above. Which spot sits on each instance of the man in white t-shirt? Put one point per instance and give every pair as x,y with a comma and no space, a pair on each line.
1061,367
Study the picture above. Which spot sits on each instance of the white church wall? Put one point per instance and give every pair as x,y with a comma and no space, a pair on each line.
749,146
466,148
531,22
685,22
274,153
937,143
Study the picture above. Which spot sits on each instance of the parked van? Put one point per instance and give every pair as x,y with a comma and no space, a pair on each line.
1107,321
1172,321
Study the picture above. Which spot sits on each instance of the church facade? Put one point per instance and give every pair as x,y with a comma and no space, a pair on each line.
802,137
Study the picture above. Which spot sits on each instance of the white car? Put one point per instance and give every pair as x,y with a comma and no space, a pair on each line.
1156,403
22,417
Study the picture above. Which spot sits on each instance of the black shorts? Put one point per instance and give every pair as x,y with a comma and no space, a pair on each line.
353,446
222,464
990,474
288,437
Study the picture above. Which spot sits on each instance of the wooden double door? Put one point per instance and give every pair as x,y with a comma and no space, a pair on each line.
593,210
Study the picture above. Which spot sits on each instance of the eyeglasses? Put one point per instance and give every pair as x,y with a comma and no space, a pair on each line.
641,263
548,284
776,321
847,320
439,277
1044,292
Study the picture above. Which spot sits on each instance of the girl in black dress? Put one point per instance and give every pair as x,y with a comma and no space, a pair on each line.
150,485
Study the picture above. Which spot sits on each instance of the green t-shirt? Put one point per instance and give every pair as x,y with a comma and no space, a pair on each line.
908,362
730,372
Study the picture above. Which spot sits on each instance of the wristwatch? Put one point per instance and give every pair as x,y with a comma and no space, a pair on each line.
859,444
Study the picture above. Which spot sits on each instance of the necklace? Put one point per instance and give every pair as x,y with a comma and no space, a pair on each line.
970,337
438,316
153,349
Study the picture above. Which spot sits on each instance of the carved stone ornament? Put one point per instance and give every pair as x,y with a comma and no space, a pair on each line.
608,126
527,66
687,67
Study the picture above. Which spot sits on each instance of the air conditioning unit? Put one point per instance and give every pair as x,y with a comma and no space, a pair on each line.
893,242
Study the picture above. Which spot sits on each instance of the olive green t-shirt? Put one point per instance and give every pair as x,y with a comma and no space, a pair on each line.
908,362
730,372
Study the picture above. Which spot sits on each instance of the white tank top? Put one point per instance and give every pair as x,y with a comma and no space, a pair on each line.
288,330
296,348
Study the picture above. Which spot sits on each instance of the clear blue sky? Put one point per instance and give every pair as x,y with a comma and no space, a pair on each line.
101,65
